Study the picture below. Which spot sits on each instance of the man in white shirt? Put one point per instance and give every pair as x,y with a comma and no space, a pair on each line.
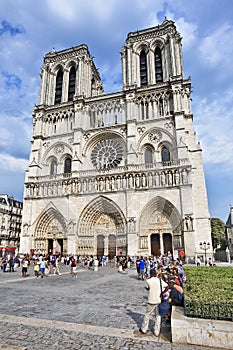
154,299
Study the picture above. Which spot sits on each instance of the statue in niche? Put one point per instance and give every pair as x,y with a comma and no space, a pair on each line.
188,223
137,180
112,184
130,181
96,185
118,183
184,177
177,178
131,224
101,185
150,180
169,178
124,182
107,184
144,184
163,179
84,186
156,179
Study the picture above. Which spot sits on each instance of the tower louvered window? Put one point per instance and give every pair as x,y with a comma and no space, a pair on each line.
143,68
71,89
58,90
158,65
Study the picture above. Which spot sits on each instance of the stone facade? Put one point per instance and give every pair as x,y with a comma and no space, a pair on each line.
117,173
10,224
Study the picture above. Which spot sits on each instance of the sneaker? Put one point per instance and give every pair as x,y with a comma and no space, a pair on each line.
141,331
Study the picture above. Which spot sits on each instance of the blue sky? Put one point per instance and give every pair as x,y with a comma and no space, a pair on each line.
29,29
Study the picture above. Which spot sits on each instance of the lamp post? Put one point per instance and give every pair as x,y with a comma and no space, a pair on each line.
205,246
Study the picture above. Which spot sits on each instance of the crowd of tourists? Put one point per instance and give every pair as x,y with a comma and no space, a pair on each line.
44,265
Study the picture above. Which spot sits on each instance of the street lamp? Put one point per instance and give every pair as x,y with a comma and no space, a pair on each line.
205,246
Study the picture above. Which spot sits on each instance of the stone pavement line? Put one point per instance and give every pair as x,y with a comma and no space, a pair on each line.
11,347
22,279
79,328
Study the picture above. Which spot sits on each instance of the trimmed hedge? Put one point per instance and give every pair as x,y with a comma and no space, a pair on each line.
209,292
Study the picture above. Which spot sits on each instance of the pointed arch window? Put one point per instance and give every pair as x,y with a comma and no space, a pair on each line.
143,68
67,165
165,154
53,168
71,88
58,90
148,157
158,66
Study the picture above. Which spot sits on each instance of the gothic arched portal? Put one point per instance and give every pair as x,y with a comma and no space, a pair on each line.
50,233
160,228
103,225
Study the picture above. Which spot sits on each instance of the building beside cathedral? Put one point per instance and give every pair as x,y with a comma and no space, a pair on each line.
10,224
116,173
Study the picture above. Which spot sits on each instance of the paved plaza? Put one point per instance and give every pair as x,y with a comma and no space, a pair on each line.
96,310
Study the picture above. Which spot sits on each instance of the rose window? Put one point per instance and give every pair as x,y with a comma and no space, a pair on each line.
107,154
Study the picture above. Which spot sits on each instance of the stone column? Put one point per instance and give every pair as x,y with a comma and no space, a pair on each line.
161,242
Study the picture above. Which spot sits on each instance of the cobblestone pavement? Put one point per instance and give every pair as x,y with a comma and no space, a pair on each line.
96,310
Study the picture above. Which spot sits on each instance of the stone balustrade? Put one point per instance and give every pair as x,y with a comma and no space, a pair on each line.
109,181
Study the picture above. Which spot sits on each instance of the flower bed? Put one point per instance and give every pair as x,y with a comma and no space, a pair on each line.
209,292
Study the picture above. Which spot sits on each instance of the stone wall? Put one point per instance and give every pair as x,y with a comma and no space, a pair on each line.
202,332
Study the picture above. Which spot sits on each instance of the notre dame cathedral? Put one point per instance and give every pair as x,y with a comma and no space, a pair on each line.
117,173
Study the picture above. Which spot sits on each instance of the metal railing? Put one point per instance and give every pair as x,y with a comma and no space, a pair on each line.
214,311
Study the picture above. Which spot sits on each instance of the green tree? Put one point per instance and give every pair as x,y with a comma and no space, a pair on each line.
218,233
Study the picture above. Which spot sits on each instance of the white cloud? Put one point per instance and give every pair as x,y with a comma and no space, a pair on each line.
188,32
214,124
217,49
12,164
15,135
62,9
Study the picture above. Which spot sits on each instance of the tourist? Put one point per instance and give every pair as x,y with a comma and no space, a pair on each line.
153,285
11,264
73,267
4,264
198,261
36,267
138,266
96,264
142,266
43,266
57,266
25,264
176,296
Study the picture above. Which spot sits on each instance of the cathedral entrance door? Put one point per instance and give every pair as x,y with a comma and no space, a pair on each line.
167,242
50,246
155,244
100,245
60,245
111,246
